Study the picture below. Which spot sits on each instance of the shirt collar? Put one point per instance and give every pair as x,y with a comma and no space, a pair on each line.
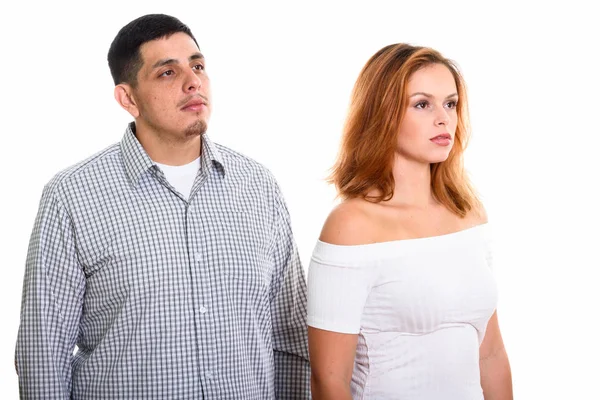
211,153
137,161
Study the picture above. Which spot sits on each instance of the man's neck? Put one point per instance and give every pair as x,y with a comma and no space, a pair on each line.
165,149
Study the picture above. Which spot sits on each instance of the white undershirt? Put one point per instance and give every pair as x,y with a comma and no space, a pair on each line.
181,177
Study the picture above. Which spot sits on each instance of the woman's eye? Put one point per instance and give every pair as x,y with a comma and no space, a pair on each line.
451,104
421,104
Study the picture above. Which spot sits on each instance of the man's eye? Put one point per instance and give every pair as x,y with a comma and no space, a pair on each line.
199,67
167,73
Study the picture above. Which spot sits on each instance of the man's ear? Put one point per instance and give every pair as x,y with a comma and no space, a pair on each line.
124,96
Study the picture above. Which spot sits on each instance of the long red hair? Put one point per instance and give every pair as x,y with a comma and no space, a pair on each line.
379,100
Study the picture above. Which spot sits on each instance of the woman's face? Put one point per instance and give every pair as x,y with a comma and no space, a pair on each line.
429,125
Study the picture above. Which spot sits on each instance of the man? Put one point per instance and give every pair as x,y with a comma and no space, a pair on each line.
167,259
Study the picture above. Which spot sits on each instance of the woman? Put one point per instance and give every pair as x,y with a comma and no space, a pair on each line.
401,295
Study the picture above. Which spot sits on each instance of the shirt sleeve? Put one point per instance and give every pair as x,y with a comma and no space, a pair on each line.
53,290
288,311
338,287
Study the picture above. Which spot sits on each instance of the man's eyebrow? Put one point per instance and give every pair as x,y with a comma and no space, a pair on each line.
167,61
164,61
430,95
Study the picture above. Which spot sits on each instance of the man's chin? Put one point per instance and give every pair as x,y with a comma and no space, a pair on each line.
198,128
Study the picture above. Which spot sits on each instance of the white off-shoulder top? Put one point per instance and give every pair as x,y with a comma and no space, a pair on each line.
420,308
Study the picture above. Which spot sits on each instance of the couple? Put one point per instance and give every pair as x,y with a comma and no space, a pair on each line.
169,262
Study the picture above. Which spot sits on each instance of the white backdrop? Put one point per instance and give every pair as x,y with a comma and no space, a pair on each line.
281,76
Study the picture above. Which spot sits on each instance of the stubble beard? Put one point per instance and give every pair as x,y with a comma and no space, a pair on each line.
197,128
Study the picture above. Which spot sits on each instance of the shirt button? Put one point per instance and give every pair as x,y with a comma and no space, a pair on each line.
209,375
198,256
202,309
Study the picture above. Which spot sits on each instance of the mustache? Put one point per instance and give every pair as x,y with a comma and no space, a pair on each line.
192,97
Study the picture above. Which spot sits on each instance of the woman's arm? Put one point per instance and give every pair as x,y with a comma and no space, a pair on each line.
337,290
332,362
496,380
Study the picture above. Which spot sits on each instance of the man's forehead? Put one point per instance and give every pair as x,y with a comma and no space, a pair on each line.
175,46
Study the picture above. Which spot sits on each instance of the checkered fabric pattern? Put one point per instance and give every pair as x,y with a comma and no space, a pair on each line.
165,298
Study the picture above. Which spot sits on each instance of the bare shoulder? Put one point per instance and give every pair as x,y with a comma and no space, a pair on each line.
477,216
349,223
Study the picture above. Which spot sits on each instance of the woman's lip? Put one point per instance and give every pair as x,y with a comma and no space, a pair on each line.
441,140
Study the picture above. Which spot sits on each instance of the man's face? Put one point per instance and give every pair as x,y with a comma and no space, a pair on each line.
172,95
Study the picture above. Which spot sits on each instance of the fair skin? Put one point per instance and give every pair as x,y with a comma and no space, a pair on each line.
170,101
412,212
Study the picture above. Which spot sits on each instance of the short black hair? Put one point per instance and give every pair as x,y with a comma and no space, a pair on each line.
124,58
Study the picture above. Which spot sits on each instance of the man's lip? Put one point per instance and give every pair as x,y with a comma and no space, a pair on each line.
193,103
442,136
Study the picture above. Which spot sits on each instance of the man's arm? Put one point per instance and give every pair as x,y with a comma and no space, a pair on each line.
53,291
288,311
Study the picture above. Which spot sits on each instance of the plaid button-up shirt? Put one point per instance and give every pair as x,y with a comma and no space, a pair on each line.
164,297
